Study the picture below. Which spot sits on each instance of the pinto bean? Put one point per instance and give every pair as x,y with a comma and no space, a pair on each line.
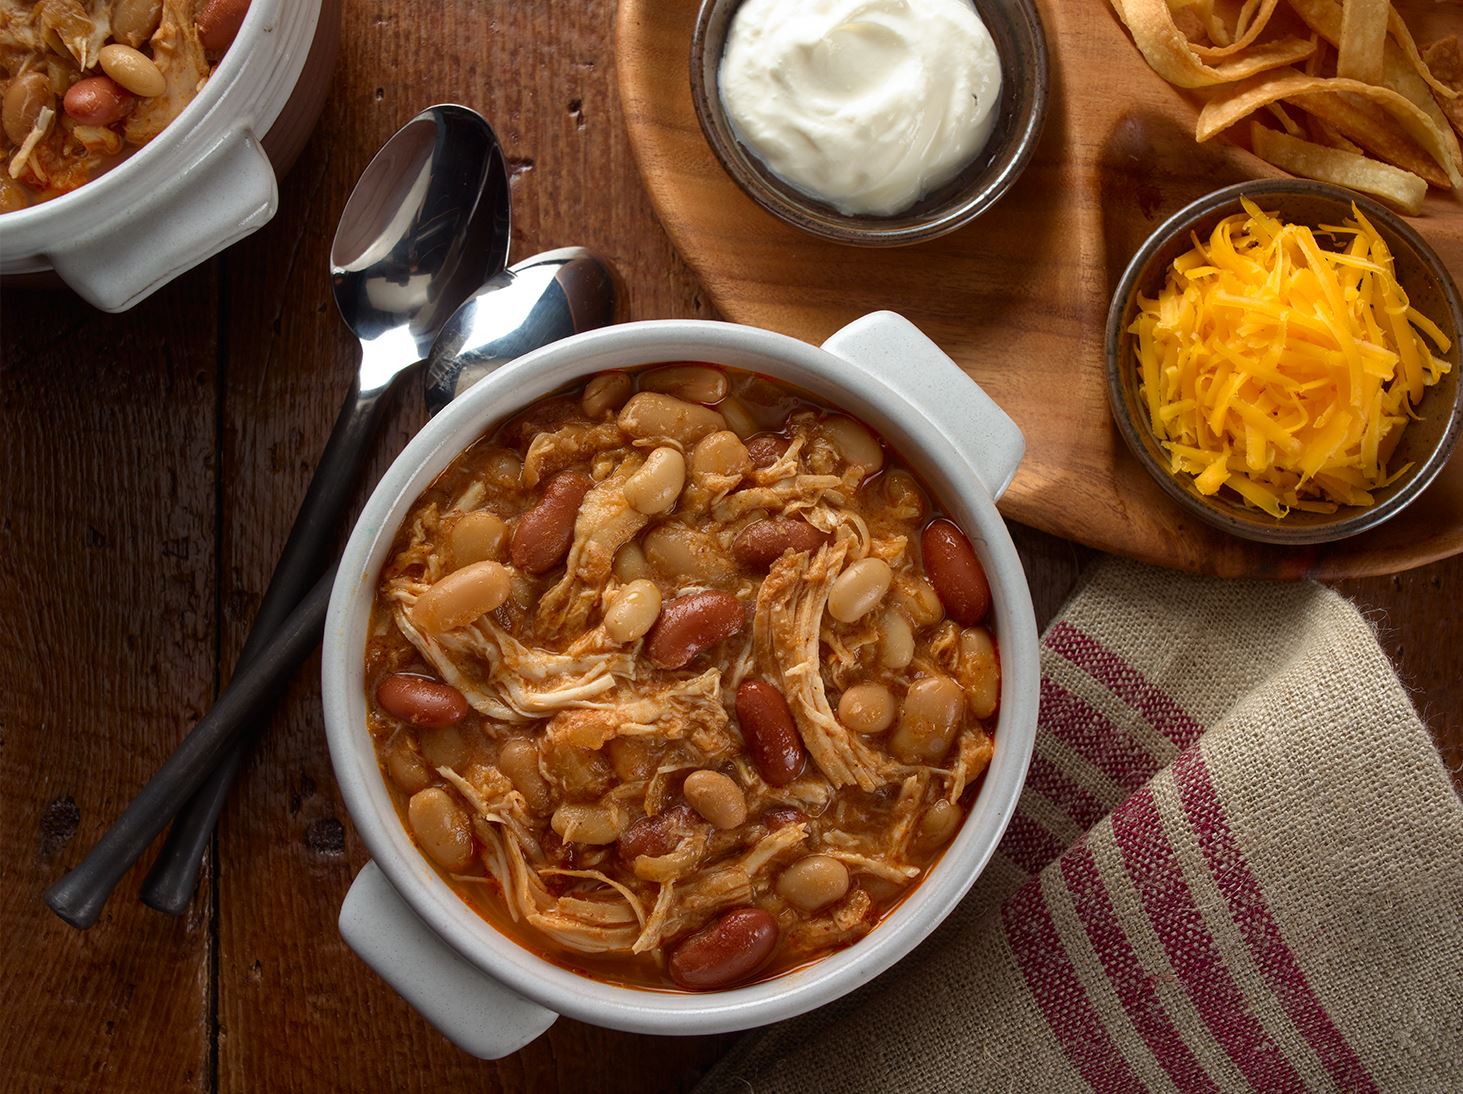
441,827
133,69
767,449
716,797
813,882
857,446
97,100
25,98
462,596
689,624
956,573
651,414
720,453
858,589
933,708
218,24
605,393
726,951
420,701
761,543
544,534
694,383
655,487
633,612
133,21
770,732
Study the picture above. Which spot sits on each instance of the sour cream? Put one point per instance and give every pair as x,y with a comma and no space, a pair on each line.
867,105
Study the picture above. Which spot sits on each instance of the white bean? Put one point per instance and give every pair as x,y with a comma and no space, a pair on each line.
859,589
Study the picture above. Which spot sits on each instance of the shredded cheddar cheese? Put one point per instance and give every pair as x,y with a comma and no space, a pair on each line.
1281,369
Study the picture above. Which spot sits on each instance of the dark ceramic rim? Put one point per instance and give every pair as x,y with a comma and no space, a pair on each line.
1217,511
952,206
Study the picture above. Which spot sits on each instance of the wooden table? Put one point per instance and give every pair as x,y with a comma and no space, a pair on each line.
152,464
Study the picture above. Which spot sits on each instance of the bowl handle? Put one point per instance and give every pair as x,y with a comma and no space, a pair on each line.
894,352
228,192
472,1010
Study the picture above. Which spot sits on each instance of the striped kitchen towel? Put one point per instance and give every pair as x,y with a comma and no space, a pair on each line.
1237,865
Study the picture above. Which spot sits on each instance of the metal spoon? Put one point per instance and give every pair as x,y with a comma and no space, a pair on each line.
426,224
577,291
538,301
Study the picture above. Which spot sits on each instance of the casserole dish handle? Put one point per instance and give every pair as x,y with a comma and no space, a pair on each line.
472,1010
228,192
894,352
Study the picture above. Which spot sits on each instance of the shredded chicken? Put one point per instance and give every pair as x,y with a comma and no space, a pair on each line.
785,631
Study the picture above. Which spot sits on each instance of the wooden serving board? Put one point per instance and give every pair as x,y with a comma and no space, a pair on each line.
1019,298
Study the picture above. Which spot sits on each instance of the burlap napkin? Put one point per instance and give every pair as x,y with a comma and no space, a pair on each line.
1237,863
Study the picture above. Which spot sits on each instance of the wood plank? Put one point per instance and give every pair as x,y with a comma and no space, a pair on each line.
107,589
1020,297
287,847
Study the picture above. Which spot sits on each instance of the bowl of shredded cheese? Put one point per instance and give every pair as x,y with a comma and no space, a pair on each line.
1283,358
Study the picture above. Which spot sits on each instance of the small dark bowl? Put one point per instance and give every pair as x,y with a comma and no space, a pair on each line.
1427,442
1015,29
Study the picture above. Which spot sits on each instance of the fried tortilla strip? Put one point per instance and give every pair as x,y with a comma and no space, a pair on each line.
1363,36
1170,54
1403,69
1313,161
1324,98
1251,31
1444,60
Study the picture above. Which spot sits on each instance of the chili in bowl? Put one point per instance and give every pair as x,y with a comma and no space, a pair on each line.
665,692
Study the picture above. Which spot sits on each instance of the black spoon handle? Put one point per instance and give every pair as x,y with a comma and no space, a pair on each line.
79,896
170,884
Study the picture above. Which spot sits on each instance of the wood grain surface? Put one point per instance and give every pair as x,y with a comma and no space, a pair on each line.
150,465
1019,298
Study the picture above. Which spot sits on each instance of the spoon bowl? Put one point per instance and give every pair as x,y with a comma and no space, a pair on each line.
541,300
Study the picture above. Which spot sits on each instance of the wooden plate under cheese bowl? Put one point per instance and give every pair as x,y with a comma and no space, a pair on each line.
1019,298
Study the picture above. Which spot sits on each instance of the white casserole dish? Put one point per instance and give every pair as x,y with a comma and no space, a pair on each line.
485,992
204,183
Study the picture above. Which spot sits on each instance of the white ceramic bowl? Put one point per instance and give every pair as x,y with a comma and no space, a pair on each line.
485,992
204,183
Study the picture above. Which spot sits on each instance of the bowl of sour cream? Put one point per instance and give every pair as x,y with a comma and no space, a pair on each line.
871,122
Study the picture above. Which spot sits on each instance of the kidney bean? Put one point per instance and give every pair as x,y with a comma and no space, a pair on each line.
956,573
97,100
726,951
657,835
780,816
218,23
419,701
770,732
689,624
766,449
544,534
762,542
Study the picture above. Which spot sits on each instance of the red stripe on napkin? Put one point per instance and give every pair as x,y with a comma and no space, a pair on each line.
1251,914
1124,681
1053,982
1130,980
1052,783
1028,844
1176,920
1093,737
